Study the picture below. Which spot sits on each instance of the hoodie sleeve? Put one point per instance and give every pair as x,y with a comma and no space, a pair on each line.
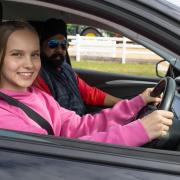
90,95
112,125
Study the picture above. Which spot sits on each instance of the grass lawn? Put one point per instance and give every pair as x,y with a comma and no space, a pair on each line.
133,69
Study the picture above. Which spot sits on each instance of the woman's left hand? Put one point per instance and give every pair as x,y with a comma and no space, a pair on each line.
148,98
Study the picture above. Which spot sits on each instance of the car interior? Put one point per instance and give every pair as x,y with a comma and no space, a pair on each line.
116,84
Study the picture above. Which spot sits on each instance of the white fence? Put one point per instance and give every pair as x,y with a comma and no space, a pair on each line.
109,47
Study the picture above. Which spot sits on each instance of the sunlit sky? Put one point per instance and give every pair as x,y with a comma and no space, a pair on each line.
177,2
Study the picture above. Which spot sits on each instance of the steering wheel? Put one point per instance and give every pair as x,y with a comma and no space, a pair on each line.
167,86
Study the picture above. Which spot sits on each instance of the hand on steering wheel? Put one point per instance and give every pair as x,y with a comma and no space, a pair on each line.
146,96
167,86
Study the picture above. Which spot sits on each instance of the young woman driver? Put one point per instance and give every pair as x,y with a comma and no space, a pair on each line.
19,67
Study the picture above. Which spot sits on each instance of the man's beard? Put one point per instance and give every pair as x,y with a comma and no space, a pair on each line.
54,61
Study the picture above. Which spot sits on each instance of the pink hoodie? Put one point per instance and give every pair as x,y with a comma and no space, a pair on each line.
112,125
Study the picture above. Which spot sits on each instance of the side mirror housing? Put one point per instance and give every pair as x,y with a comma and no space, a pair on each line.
162,68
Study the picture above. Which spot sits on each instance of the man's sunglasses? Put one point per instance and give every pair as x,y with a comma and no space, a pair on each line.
54,43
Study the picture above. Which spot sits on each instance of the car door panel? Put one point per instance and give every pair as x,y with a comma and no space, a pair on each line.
126,88
28,156
119,85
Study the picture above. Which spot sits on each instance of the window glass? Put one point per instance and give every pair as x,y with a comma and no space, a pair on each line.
97,49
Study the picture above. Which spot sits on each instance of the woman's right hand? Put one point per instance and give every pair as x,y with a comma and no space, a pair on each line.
157,123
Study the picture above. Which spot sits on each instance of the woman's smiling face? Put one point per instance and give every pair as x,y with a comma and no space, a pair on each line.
21,61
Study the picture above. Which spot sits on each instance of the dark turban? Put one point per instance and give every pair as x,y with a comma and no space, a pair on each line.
53,27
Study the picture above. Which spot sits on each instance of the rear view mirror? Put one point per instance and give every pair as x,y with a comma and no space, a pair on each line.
162,68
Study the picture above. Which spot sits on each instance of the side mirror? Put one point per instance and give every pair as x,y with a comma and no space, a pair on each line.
162,68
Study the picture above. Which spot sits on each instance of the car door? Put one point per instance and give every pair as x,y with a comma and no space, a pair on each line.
28,156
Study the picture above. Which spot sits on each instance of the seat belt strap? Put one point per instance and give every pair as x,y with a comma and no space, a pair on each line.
30,112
